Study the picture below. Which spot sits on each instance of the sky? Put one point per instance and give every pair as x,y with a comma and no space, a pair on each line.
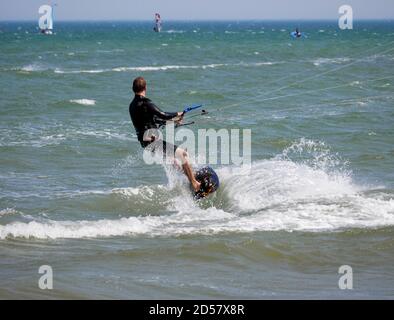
196,9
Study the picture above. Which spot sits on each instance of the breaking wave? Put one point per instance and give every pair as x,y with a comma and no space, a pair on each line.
84,102
305,188
166,67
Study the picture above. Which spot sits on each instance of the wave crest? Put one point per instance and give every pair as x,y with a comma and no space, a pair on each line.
304,188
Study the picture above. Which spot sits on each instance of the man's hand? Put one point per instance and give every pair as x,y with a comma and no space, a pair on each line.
178,119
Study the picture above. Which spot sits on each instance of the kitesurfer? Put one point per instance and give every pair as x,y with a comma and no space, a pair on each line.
146,116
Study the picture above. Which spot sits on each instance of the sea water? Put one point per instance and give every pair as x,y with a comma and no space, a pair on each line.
75,193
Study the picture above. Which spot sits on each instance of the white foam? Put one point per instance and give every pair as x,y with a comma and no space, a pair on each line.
110,51
166,67
257,64
81,71
43,136
30,68
321,61
278,182
286,193
7,211
174,31
41,141
146,192
34,67
347,212
85,102
104,133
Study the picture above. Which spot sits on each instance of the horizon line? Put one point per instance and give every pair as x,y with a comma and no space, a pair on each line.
201,20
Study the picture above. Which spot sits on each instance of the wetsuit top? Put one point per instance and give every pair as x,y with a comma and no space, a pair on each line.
146,115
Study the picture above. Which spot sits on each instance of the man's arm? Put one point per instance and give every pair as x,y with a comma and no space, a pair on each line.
161,114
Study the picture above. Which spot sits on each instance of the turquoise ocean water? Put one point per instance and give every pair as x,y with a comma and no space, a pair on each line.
76,194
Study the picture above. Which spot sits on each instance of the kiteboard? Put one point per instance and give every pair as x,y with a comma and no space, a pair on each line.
209,182
295,35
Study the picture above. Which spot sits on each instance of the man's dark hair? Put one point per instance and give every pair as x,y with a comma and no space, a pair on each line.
139,84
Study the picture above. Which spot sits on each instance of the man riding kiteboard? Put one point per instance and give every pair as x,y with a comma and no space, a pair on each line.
146,116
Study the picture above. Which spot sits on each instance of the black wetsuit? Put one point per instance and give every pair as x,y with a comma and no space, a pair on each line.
146,115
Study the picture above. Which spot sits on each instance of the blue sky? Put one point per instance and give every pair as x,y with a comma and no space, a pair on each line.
196,9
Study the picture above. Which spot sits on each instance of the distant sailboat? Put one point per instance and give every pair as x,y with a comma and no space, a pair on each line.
157,27
45,22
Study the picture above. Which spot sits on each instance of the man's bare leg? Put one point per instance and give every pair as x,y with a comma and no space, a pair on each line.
187,169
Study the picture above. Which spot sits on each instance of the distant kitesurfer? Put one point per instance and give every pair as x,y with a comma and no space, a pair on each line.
157,27
145,115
